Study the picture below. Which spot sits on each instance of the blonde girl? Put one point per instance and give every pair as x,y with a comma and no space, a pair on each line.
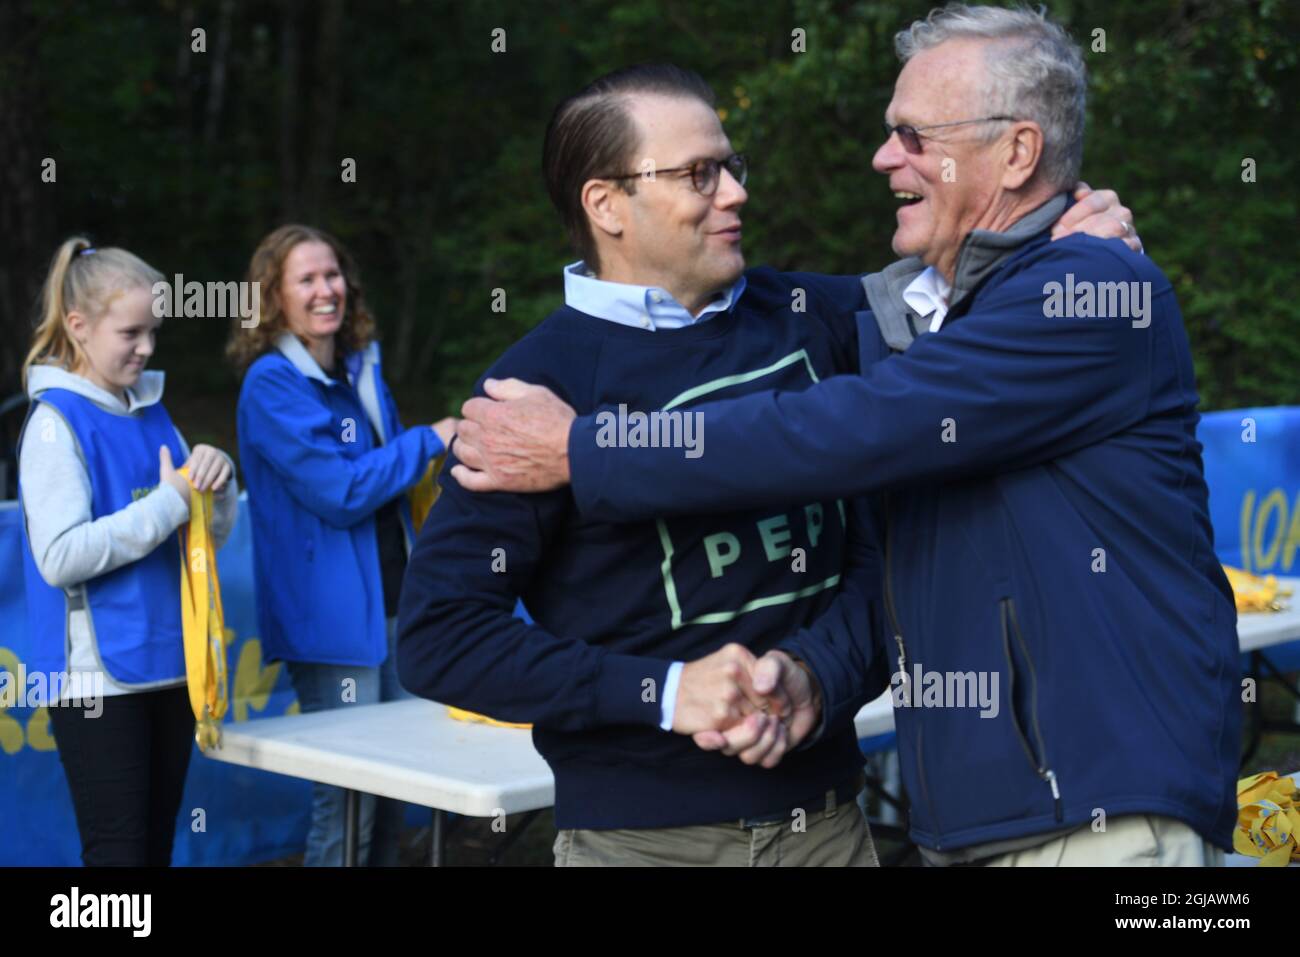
102,499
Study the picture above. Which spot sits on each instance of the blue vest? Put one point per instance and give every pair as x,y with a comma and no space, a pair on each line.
135,610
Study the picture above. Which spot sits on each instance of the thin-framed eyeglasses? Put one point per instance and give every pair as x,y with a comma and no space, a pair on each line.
910,136
705,173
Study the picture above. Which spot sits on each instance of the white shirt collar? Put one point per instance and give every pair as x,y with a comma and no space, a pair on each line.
927,295
642,307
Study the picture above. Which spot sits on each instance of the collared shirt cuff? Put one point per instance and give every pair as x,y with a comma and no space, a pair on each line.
671,681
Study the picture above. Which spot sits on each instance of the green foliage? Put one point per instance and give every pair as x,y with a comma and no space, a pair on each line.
189,158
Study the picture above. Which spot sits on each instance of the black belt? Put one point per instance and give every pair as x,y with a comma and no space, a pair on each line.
844,792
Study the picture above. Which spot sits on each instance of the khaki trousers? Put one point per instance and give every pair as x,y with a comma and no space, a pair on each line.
835,836
1134,840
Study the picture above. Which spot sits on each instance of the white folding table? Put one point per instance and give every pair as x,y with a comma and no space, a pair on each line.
413,751
408,750
1256,632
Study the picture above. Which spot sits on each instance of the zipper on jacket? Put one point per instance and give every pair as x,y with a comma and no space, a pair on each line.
892,611
890,608
1008,610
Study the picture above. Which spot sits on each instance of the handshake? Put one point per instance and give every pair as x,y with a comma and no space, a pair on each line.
756,709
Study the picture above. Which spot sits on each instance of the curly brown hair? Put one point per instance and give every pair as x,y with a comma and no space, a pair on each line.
267,268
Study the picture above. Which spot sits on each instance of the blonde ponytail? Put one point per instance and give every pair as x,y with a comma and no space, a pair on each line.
86,280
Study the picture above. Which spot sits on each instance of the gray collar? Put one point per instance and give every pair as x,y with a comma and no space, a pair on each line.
982,252
292,349
896,321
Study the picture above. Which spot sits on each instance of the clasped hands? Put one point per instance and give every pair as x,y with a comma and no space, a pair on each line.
756,709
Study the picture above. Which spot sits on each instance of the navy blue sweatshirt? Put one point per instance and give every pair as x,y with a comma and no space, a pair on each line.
615,604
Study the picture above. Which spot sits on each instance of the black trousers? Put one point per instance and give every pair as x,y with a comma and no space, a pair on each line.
126,770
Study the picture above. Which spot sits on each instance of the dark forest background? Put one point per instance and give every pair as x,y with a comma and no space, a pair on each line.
188,158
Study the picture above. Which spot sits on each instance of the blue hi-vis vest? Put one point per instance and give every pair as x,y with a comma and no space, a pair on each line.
135,610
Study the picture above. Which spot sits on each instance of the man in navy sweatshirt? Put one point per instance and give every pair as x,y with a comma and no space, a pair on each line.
659,315
1026,410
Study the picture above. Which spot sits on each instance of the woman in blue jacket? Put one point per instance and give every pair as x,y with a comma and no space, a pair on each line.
327,464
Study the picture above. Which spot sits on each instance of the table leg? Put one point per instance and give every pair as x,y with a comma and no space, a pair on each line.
438,853
1254,711
351,816
1261,670
509,840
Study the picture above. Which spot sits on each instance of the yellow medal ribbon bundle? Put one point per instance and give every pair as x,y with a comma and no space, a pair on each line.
1268,819
1255,593
425,492
203,621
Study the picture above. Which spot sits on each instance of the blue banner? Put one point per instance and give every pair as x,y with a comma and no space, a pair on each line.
229,815
1252,465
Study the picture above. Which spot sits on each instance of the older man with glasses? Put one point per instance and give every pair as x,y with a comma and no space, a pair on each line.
1026,412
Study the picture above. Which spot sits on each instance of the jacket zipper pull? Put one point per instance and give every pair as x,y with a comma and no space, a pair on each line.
902,670
1050,777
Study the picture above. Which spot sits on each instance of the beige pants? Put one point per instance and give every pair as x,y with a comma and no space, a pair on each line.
1135,840
826,837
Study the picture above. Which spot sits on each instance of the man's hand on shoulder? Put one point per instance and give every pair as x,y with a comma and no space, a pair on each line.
1098,213
515,440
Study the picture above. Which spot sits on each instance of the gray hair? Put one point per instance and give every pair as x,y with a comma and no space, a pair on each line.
1033,71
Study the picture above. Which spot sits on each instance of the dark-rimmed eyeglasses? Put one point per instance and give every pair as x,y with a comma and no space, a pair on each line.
910,136
705,174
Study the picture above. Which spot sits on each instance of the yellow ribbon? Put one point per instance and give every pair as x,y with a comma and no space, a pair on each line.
1255,593
203,621
460,714
1268,819
425,492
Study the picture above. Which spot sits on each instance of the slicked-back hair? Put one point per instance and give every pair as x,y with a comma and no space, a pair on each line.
592,134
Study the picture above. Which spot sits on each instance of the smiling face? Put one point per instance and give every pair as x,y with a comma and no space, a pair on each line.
116,346
313,292
667,234
951,186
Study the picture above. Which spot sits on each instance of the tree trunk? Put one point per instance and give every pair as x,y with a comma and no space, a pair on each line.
289,119
408,280
217,75
327,71
26,202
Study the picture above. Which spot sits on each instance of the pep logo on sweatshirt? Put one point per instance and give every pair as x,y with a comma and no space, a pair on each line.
717,567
